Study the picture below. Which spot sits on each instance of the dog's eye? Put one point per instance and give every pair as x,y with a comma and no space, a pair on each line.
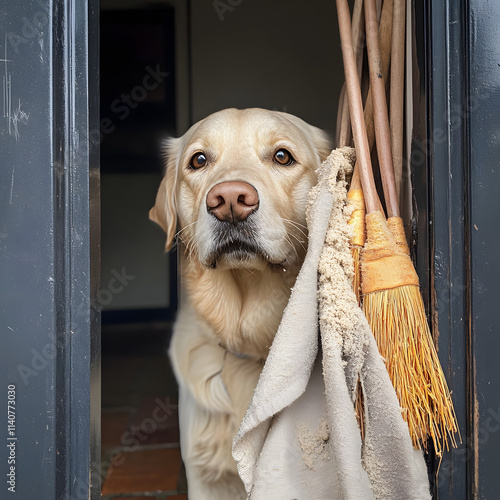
198,160
283,157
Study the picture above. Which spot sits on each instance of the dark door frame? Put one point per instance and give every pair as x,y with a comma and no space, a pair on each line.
457,216
49,255
77,247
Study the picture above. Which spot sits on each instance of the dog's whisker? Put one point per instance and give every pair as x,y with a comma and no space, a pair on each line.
190,247
177,234
301,242
187,244
289,241
296,225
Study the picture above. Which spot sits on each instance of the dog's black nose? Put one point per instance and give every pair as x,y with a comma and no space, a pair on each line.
232,201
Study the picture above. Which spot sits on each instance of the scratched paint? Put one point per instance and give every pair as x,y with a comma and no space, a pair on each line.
13,116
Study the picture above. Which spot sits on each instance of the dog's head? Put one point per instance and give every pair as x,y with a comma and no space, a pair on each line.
237,185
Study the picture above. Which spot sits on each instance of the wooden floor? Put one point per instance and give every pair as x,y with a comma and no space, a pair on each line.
140,428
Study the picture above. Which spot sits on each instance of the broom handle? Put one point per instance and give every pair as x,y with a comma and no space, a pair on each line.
357,33
340,115
385,35
356,108
397,91
380,115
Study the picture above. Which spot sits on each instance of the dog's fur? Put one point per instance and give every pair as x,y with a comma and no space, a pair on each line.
236,277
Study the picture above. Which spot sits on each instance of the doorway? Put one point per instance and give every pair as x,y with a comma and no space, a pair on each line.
165,65
141,69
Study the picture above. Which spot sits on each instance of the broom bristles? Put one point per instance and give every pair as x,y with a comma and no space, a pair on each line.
398,322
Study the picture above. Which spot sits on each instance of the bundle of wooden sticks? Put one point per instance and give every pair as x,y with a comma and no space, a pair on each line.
386,282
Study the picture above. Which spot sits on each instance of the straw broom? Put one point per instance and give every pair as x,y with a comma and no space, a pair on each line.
355,194
381,240
391,295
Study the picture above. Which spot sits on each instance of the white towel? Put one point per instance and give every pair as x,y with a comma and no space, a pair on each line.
300,438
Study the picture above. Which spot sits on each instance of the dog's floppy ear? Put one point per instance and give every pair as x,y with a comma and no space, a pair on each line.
164,211
322,142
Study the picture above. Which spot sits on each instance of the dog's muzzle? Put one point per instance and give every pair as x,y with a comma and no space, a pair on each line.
232,204
237,242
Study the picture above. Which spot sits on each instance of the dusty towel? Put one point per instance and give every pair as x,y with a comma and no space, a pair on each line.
300,438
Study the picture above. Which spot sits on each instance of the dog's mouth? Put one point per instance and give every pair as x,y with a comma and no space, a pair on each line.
237,250
236,245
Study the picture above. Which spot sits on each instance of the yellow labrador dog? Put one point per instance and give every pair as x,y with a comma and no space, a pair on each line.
236,187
